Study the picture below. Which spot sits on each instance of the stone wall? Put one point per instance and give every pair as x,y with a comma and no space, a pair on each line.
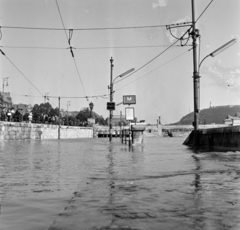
224,138
23,131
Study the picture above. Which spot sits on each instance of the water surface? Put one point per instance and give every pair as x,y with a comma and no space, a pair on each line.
94,184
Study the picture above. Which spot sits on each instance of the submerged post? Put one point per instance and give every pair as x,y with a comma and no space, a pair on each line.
111,100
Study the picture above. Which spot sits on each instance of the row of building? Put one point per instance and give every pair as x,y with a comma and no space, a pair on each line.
6,103
5,100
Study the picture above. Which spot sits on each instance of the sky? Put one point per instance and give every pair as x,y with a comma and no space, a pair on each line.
135,34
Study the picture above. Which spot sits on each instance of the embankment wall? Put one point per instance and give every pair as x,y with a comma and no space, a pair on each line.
24,131
224,138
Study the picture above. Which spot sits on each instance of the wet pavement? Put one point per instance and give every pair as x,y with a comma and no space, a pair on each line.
94,184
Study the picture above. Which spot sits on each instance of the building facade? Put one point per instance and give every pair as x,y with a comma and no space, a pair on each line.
5,100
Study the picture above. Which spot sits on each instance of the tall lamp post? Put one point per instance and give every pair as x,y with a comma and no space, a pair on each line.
5,79
213,54
196,77
68,104
111,94
91,108
46,97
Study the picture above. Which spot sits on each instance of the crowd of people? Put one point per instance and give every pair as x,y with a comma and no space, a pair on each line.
11,115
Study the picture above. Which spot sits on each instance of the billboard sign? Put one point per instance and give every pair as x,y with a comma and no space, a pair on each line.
129,99
129,113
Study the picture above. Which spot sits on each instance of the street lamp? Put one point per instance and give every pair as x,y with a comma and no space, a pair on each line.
91,108
46,97
218,51
68,104
197,89
111,95
4,79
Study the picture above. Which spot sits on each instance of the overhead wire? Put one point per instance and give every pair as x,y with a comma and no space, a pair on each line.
155,56
100,28
62,20
22,74
49,96
204,11
69,42
154,69
162,52
85,48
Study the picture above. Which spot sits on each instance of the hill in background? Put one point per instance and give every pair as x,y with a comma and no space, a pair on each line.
216,114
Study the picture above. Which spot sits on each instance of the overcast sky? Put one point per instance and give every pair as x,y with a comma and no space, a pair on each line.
39,61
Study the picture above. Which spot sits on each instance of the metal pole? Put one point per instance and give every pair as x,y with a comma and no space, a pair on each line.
111,99
67,113
59,114
120,123
196,78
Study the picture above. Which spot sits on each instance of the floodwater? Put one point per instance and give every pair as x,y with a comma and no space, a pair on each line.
94,184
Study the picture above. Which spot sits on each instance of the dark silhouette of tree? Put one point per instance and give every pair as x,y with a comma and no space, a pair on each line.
44,109
85,113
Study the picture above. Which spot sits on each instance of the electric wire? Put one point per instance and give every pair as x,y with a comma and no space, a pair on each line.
71,97
204,10
155,69
155,56
68,39
80,78
85,48
100,28
23,75
62,20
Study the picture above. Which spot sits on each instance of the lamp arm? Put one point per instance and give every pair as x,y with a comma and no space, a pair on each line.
202,62
115,79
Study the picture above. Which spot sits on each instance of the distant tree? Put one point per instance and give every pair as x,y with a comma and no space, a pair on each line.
85,113
44,109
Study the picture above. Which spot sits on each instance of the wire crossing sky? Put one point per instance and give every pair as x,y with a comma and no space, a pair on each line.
57,43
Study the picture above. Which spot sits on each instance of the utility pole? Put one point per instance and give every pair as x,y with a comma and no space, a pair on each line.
4,79
111,100
120,124
196,77
45,97
68,104
59,115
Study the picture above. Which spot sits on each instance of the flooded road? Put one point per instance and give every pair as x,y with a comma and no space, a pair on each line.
94,184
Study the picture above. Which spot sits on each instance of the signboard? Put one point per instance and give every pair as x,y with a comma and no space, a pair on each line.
129,99
91,120
129,112
110,105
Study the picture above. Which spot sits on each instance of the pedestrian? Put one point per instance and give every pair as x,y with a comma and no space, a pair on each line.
9,114
30,117
12,113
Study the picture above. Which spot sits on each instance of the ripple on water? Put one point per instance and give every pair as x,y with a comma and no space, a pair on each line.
100,185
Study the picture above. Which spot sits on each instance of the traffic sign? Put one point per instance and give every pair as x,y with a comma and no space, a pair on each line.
110,105
129,111
129,99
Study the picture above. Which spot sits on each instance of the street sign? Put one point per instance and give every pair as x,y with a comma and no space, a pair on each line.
110,105
129,112
129,99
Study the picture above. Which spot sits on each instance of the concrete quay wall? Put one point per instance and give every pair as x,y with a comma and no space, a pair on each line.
224,138
24,131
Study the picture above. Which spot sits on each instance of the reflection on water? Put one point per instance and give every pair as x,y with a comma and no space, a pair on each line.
94,184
